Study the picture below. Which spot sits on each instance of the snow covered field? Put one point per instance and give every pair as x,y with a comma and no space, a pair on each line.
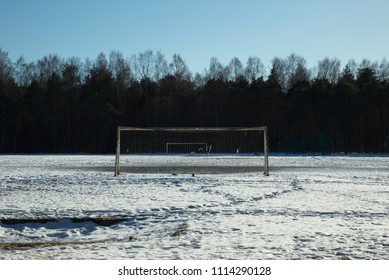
310,207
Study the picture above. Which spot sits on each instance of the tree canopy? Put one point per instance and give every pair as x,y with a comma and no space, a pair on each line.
58,105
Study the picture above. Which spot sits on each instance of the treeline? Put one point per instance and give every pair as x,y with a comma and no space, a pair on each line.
60,105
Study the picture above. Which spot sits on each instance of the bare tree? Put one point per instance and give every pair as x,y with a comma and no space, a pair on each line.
25,72
279,68
235,69
198,80
216,70
120,70
178,68
352,67
383,70
254,68
145,62
47,66
161,68
6,68
296,69
290,70
329,69
301,73
87,66
367,63
101,61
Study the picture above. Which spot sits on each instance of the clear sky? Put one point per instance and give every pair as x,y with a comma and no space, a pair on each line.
197,29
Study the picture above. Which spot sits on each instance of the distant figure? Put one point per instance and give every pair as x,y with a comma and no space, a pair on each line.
237,150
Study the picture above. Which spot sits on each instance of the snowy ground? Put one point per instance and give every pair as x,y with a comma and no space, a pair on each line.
310,207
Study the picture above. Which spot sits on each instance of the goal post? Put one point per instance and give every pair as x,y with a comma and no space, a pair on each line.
213,148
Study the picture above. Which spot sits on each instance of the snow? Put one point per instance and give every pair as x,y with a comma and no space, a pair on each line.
310,207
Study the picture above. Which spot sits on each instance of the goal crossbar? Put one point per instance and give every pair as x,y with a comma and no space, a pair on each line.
199,129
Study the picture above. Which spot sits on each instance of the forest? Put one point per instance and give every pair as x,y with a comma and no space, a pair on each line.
57,105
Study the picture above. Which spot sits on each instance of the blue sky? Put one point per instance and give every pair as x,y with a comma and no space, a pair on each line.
197,29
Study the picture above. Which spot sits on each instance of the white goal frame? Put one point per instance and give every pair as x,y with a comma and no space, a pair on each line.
196,129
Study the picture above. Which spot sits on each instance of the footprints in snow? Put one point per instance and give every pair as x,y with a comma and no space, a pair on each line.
293,186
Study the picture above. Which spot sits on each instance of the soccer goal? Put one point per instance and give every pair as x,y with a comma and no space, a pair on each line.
191,150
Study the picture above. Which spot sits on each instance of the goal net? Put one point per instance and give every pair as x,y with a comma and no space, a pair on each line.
191,150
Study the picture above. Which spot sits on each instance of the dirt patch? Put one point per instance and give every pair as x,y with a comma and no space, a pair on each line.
32,245
101,221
